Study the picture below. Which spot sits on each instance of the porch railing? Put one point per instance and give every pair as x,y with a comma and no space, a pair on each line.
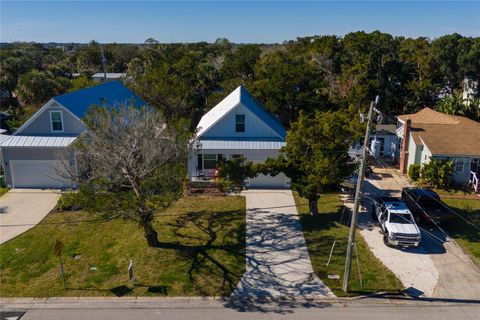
473,180
206,174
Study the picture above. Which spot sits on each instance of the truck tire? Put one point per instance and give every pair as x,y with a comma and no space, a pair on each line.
374,214
385,240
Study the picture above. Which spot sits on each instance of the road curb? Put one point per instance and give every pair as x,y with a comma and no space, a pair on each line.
196,302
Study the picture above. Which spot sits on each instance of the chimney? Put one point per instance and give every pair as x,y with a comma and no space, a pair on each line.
404,155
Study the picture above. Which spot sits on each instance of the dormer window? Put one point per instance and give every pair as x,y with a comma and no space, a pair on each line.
239,123
56,121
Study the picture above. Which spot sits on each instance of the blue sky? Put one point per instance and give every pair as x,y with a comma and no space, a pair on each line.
247,21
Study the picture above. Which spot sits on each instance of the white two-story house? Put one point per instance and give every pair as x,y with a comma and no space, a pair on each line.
30,157
238,127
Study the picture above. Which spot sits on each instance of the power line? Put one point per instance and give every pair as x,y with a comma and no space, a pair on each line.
433,237
107,219
431,197
428,233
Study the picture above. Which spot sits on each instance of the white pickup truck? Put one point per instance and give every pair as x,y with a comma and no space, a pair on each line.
397,223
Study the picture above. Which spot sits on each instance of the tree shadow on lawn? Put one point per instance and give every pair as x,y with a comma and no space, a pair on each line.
213,235
460,229
118,291
123,290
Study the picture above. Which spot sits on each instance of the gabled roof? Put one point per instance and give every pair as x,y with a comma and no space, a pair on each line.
111,94
429,116
230,102
445,134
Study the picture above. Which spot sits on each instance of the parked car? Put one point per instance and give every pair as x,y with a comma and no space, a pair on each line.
397,222
425,205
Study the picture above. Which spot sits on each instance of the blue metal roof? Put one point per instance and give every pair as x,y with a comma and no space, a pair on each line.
111,94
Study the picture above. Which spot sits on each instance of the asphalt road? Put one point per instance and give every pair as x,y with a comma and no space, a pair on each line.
200,310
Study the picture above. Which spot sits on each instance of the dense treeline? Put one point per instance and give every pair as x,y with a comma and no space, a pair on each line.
309,74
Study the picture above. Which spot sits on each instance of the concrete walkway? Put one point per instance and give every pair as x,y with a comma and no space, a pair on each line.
278,263
23,209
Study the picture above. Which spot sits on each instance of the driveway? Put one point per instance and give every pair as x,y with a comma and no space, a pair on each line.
278,263
437,268
23,209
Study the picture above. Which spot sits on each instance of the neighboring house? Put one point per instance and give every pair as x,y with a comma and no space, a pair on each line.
238,127
430,134
30,155
100,77
383,143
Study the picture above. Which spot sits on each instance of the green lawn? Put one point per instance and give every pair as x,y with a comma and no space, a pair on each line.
321,232
209,230
3,191
453,192
466,235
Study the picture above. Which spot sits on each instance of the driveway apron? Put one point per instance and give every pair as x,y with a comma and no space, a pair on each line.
278,263
22,209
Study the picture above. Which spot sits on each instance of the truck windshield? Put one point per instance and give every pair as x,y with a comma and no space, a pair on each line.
400,218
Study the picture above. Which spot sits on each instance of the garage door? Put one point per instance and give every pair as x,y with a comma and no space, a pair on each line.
267,181
36,174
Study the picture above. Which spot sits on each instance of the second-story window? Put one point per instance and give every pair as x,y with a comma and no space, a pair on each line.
56,120
239,123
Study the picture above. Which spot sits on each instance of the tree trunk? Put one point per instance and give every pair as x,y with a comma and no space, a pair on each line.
150,235
312,202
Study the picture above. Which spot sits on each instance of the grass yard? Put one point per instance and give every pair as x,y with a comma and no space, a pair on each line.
453,192
466,235
3,191
320,233
210,230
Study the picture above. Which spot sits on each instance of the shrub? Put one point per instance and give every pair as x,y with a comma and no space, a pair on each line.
437,173
69,201
414,171
236,171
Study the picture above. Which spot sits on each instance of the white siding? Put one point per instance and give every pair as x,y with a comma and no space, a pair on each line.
224,129
413,152
425,155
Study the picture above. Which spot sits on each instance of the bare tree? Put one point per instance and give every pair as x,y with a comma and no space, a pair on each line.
127,157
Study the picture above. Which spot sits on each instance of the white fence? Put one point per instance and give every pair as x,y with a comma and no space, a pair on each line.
473,180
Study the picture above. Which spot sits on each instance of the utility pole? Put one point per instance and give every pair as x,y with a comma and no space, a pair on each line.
356,204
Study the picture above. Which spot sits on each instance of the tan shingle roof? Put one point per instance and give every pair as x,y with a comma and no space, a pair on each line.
445,134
